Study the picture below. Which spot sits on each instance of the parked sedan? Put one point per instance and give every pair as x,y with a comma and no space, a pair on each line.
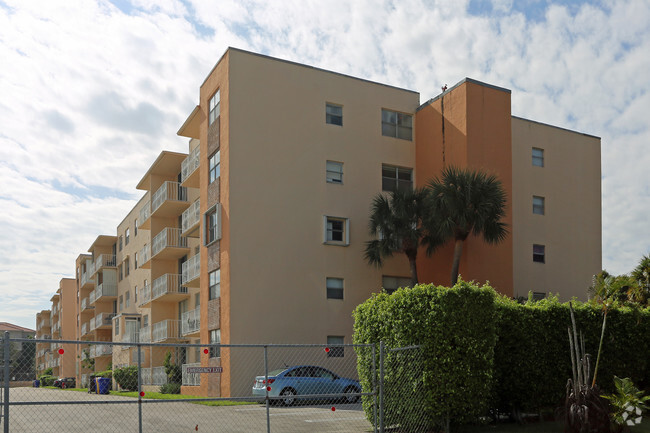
65,382
308,380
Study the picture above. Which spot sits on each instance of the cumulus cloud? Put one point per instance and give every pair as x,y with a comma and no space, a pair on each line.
92,92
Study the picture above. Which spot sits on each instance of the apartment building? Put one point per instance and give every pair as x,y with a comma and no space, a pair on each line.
257,233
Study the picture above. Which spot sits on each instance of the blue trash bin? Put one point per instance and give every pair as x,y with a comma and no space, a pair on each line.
37,383
103,385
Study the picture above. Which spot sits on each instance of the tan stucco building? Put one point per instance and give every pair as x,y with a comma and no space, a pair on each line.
257,234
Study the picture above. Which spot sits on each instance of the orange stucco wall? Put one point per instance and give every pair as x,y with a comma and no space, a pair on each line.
468,126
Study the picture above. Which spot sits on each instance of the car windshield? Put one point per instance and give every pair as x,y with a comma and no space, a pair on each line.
276,372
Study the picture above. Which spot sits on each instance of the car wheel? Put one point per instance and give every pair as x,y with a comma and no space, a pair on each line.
351,398
289,396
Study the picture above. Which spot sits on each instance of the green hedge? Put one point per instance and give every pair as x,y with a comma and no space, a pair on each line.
484,350
46,380
127,377
455,373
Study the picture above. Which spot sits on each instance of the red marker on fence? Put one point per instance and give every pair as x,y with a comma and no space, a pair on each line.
333,408
205,351
61,351
141,393
327,350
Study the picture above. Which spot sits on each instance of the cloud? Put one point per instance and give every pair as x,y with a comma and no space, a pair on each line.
92,92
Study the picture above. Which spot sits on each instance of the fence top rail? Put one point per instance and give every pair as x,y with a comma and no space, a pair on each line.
398,349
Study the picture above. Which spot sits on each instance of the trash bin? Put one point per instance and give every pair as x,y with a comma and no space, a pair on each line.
103,385
92,388
37,383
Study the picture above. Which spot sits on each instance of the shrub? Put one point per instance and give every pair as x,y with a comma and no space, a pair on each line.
108,374
127,377
170,388
47,380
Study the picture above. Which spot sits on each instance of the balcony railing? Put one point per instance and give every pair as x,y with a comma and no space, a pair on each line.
190,164
168,191
144,255
44,323
158,376
101,350
104,319
131,336
144,296
165,330
86,276
191,217
105,260
168,284
191,322
145,213
56,328
191,379
191,271
85,303
92,297
104,289
91,324
55,310
145,376
41,366
145,334
167,238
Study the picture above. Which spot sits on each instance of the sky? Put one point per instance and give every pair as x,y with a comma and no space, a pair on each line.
91,91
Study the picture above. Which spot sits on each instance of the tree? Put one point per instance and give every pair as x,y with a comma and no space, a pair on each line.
465,202
641,275
396,220
611,289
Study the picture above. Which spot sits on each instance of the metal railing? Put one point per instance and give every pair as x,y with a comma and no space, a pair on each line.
158,376
191,321
105,260
145,376
101,350
144,297
145,334
191,269
191,379
145,213
145,254
191,163
104,319
168,191
165,330
168,238
191,216
166,284
84,328
104,289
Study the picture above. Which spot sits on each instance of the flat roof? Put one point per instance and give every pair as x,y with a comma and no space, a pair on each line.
463,81
556,127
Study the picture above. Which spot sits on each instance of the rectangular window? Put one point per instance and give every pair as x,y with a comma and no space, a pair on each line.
214,163
337,231
215,284
117,326
215,103
119,272
334,288
334,114
145,321
215,338
334,172
135,293
135,260
213,224
121,303
538,205
394,124
538,157
539,253
335,352
127,235
127,299
120,243
538,296
390,284
396,178
126,268
197,300
135,227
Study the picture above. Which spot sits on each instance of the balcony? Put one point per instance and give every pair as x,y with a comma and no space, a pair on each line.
85,305
192,271
169,201
104,320
144,257
191,379
53,363
55,311
158,376
191,322
43,324
167,288
101,350
144,296
169,245
145,376
189,168
105,261
131,336
86,281
165,330
56,328
191,220
104,292
145,334
144,221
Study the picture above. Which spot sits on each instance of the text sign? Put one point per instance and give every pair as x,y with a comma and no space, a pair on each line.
204,369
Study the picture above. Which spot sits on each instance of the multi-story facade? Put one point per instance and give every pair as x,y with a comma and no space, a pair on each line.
257,234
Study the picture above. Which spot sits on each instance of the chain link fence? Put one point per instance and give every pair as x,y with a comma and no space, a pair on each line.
79,386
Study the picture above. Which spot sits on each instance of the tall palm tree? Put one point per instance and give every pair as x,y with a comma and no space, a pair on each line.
396,222
641,275
466,201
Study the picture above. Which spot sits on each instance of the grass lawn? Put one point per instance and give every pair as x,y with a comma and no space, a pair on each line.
160,396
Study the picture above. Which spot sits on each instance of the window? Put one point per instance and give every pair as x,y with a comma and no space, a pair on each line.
538,296
334,114
215,338
215,284
135,227
117,326
538,205
120,243
127,235
119,272
145,321
337,231
213,224
127,299
538,157
135,260
121,303
539,253
335,352
396,178
394,124
334,172
334,288
215,103
135,293
390,284
215,166
126,268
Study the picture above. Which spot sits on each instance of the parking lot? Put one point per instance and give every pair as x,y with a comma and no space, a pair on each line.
78,413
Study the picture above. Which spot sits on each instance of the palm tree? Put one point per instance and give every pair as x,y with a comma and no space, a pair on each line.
641,274
396,222
465,201
608,288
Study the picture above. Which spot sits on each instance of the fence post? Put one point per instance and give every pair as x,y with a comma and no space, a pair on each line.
381,387
137,339
7,349
266,380
374,385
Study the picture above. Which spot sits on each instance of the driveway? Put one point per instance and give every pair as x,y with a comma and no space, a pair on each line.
120,414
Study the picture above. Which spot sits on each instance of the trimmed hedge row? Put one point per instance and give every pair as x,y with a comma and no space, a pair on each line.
482,350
